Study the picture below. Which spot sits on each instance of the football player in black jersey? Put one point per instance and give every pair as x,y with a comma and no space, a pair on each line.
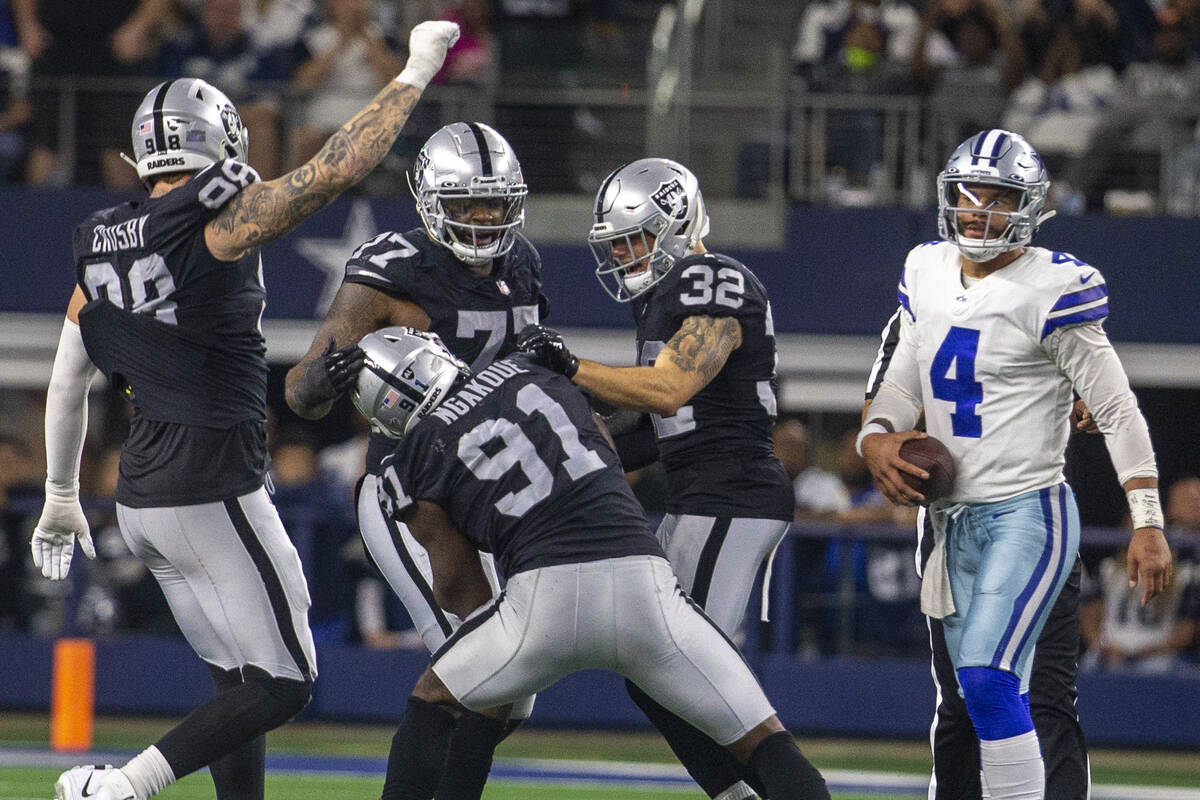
706,377
1052,690
509,460
168,305
470,276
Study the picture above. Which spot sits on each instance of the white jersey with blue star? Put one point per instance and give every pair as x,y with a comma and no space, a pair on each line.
994,386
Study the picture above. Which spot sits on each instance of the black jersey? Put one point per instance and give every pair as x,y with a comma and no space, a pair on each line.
516,460
718,451
179,332
476,316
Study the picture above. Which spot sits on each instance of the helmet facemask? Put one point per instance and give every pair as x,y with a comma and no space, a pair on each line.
992,159
461,163
651,209
473,243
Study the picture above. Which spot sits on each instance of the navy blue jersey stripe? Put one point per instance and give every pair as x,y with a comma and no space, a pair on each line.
708,560
160,129
1080,297
1090,315
275,593
485,155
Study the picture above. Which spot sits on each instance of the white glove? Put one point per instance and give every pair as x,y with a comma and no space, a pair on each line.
53,541
427,46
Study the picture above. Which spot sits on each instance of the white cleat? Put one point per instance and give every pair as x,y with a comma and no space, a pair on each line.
93,783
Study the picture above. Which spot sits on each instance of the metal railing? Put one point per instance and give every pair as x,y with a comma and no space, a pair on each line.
768,140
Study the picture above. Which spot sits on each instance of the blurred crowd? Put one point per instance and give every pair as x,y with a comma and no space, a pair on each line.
857,592
1105,90
296,69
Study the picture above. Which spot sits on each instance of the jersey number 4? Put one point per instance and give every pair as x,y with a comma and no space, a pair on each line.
957,353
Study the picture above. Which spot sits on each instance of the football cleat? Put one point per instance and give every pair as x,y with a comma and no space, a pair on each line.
94,782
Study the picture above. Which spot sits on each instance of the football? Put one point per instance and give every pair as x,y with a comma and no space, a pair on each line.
932,456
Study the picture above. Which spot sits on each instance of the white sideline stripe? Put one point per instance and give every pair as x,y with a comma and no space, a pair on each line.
838,779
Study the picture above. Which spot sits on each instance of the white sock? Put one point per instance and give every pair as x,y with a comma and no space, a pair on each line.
1013,768
148,773
739,791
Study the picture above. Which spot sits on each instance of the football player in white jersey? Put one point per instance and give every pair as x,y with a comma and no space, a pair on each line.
995,335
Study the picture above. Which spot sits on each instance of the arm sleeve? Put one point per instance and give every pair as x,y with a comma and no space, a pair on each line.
1087,358
898,397
66,409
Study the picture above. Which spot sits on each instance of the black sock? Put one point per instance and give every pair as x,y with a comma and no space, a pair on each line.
233,718
240,775
712,766
785,771
469,758
418,753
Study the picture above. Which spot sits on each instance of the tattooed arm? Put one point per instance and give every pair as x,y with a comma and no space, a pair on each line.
356,311
265,211
693,357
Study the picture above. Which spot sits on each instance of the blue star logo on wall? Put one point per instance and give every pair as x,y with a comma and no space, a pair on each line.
329,255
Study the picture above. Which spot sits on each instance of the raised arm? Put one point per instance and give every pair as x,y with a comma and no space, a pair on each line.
265,211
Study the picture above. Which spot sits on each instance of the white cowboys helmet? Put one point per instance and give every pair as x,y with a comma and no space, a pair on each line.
993,158
406,374
651,197
465,161
184,125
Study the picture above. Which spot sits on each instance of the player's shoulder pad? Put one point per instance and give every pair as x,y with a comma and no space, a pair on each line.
1076,291
392,258
216,184
523,258
728,288
83,238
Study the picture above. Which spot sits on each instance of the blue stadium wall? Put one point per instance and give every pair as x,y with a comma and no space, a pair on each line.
838,696
837,274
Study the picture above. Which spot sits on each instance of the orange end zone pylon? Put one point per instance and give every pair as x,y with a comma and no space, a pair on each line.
72,702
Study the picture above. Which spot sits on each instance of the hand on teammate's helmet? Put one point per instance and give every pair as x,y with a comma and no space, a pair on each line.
53,541
342,365
330,374
547,347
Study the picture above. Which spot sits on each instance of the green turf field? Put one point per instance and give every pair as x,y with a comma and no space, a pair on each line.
1138,768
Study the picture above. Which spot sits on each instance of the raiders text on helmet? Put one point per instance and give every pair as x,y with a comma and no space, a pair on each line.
406,373
650,198
993,158
183,125
464,161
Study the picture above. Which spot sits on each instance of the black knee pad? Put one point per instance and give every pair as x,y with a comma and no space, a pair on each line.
284,698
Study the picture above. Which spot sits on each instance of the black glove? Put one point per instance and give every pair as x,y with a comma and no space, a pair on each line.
547,347
330,374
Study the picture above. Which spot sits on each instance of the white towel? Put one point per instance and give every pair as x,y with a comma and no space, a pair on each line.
937,600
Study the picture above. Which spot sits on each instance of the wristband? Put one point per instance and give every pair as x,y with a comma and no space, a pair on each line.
414,76
1144,508
868,429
